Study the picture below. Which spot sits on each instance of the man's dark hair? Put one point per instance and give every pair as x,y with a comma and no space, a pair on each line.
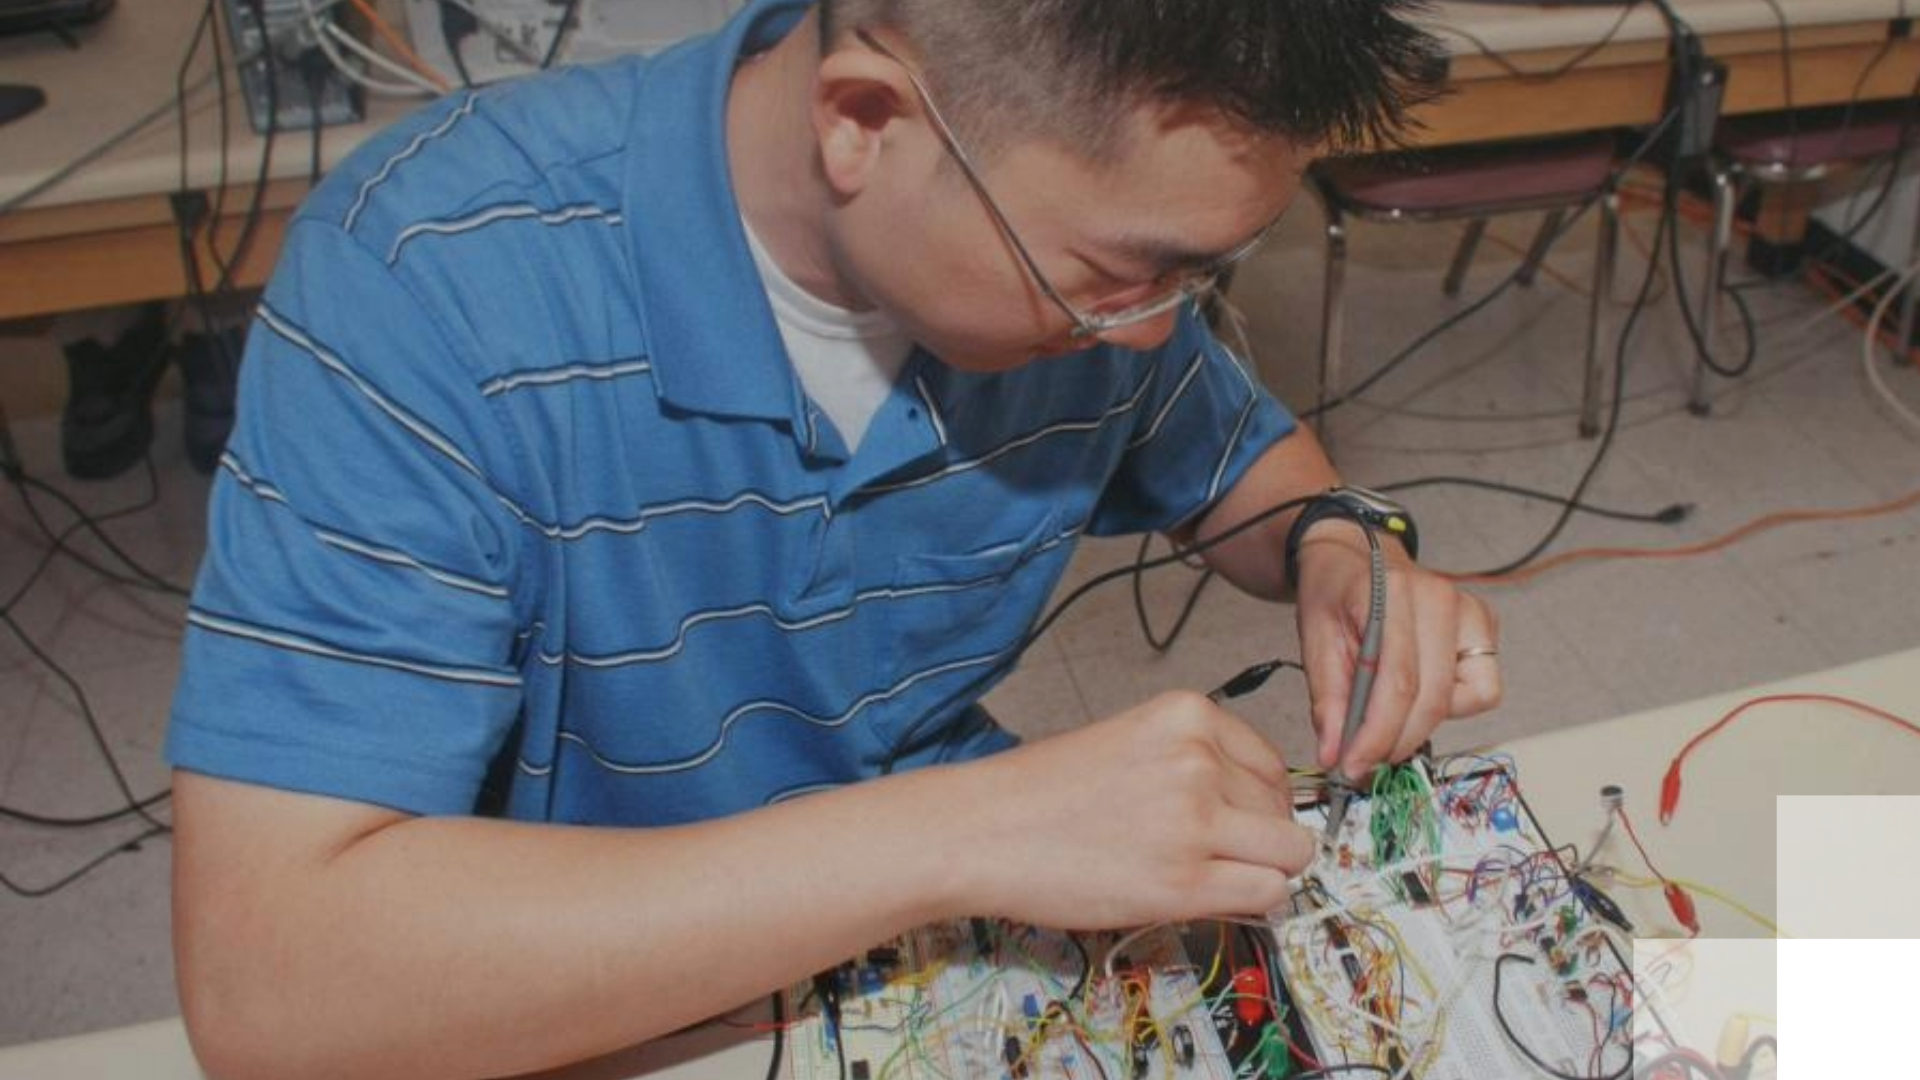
1338,74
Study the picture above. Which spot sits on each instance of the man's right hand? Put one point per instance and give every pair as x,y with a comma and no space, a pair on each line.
1173,809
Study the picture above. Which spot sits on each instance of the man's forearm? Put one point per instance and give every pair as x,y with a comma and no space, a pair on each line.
464,947
1256,559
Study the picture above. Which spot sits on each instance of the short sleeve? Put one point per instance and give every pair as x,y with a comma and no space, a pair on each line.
352,630
1206,420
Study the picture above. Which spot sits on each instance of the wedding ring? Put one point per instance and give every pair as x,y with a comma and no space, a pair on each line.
1472,651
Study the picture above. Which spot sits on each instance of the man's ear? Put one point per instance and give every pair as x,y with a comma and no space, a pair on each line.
855,101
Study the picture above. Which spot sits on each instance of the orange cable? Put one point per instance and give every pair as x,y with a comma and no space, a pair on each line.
1762,524
399,45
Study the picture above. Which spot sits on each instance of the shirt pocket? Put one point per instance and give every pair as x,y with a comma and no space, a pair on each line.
960,611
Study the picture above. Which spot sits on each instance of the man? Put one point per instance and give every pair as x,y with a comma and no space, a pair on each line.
691,441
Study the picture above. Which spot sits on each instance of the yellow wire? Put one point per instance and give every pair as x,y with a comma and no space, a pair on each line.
1633,882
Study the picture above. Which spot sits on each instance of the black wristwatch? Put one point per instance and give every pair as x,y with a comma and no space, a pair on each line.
1370,509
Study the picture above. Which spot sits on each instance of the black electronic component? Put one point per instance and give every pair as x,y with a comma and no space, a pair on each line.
1016,1058
1416,889
982,937
1184,1048
1343,947
859,1069
271,37
57,17
1599,903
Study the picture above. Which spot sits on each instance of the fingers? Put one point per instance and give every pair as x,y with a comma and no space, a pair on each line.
1327,650
1477,680
1265,840
1224,757
1430,634
1434,664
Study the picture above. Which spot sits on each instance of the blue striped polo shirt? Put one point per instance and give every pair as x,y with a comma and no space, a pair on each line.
523,479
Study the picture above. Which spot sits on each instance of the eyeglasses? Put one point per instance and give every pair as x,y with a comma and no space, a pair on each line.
1181,285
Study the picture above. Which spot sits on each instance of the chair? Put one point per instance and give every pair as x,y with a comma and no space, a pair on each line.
1779,151
1474,183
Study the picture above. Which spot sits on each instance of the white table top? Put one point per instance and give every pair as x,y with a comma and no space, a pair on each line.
1723,835
128,62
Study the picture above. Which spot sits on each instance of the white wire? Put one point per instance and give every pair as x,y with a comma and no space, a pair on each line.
413,79
347,70
1870,351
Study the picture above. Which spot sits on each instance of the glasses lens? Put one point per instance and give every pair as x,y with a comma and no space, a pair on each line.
1099,322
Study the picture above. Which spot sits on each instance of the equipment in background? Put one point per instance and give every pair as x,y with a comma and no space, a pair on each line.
53,16
284,73
34,16
484,41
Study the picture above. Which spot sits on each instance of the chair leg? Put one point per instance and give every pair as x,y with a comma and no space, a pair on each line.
1463,256
1725,196
1597,322
1537,251
1910,303
1332,320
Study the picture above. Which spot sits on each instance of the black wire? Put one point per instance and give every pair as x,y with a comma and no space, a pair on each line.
559,33
1140,601
141,578
1250,679
915,738
316,87
36,892
840,1047
1513,1040
58,545
134,803
1685,51
180,84
460,64
27,817
1761,1044
1671,514
251,223
1614,409
1505,64
1086,965
1325,406
779,1036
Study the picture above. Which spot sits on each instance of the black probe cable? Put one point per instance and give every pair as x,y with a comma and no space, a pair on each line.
917,738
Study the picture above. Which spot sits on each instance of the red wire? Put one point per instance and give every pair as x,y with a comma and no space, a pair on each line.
1638,846
1670,785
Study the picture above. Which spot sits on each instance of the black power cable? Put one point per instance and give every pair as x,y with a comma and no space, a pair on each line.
779,1035
1513,1040
559,33
918,737
135,575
